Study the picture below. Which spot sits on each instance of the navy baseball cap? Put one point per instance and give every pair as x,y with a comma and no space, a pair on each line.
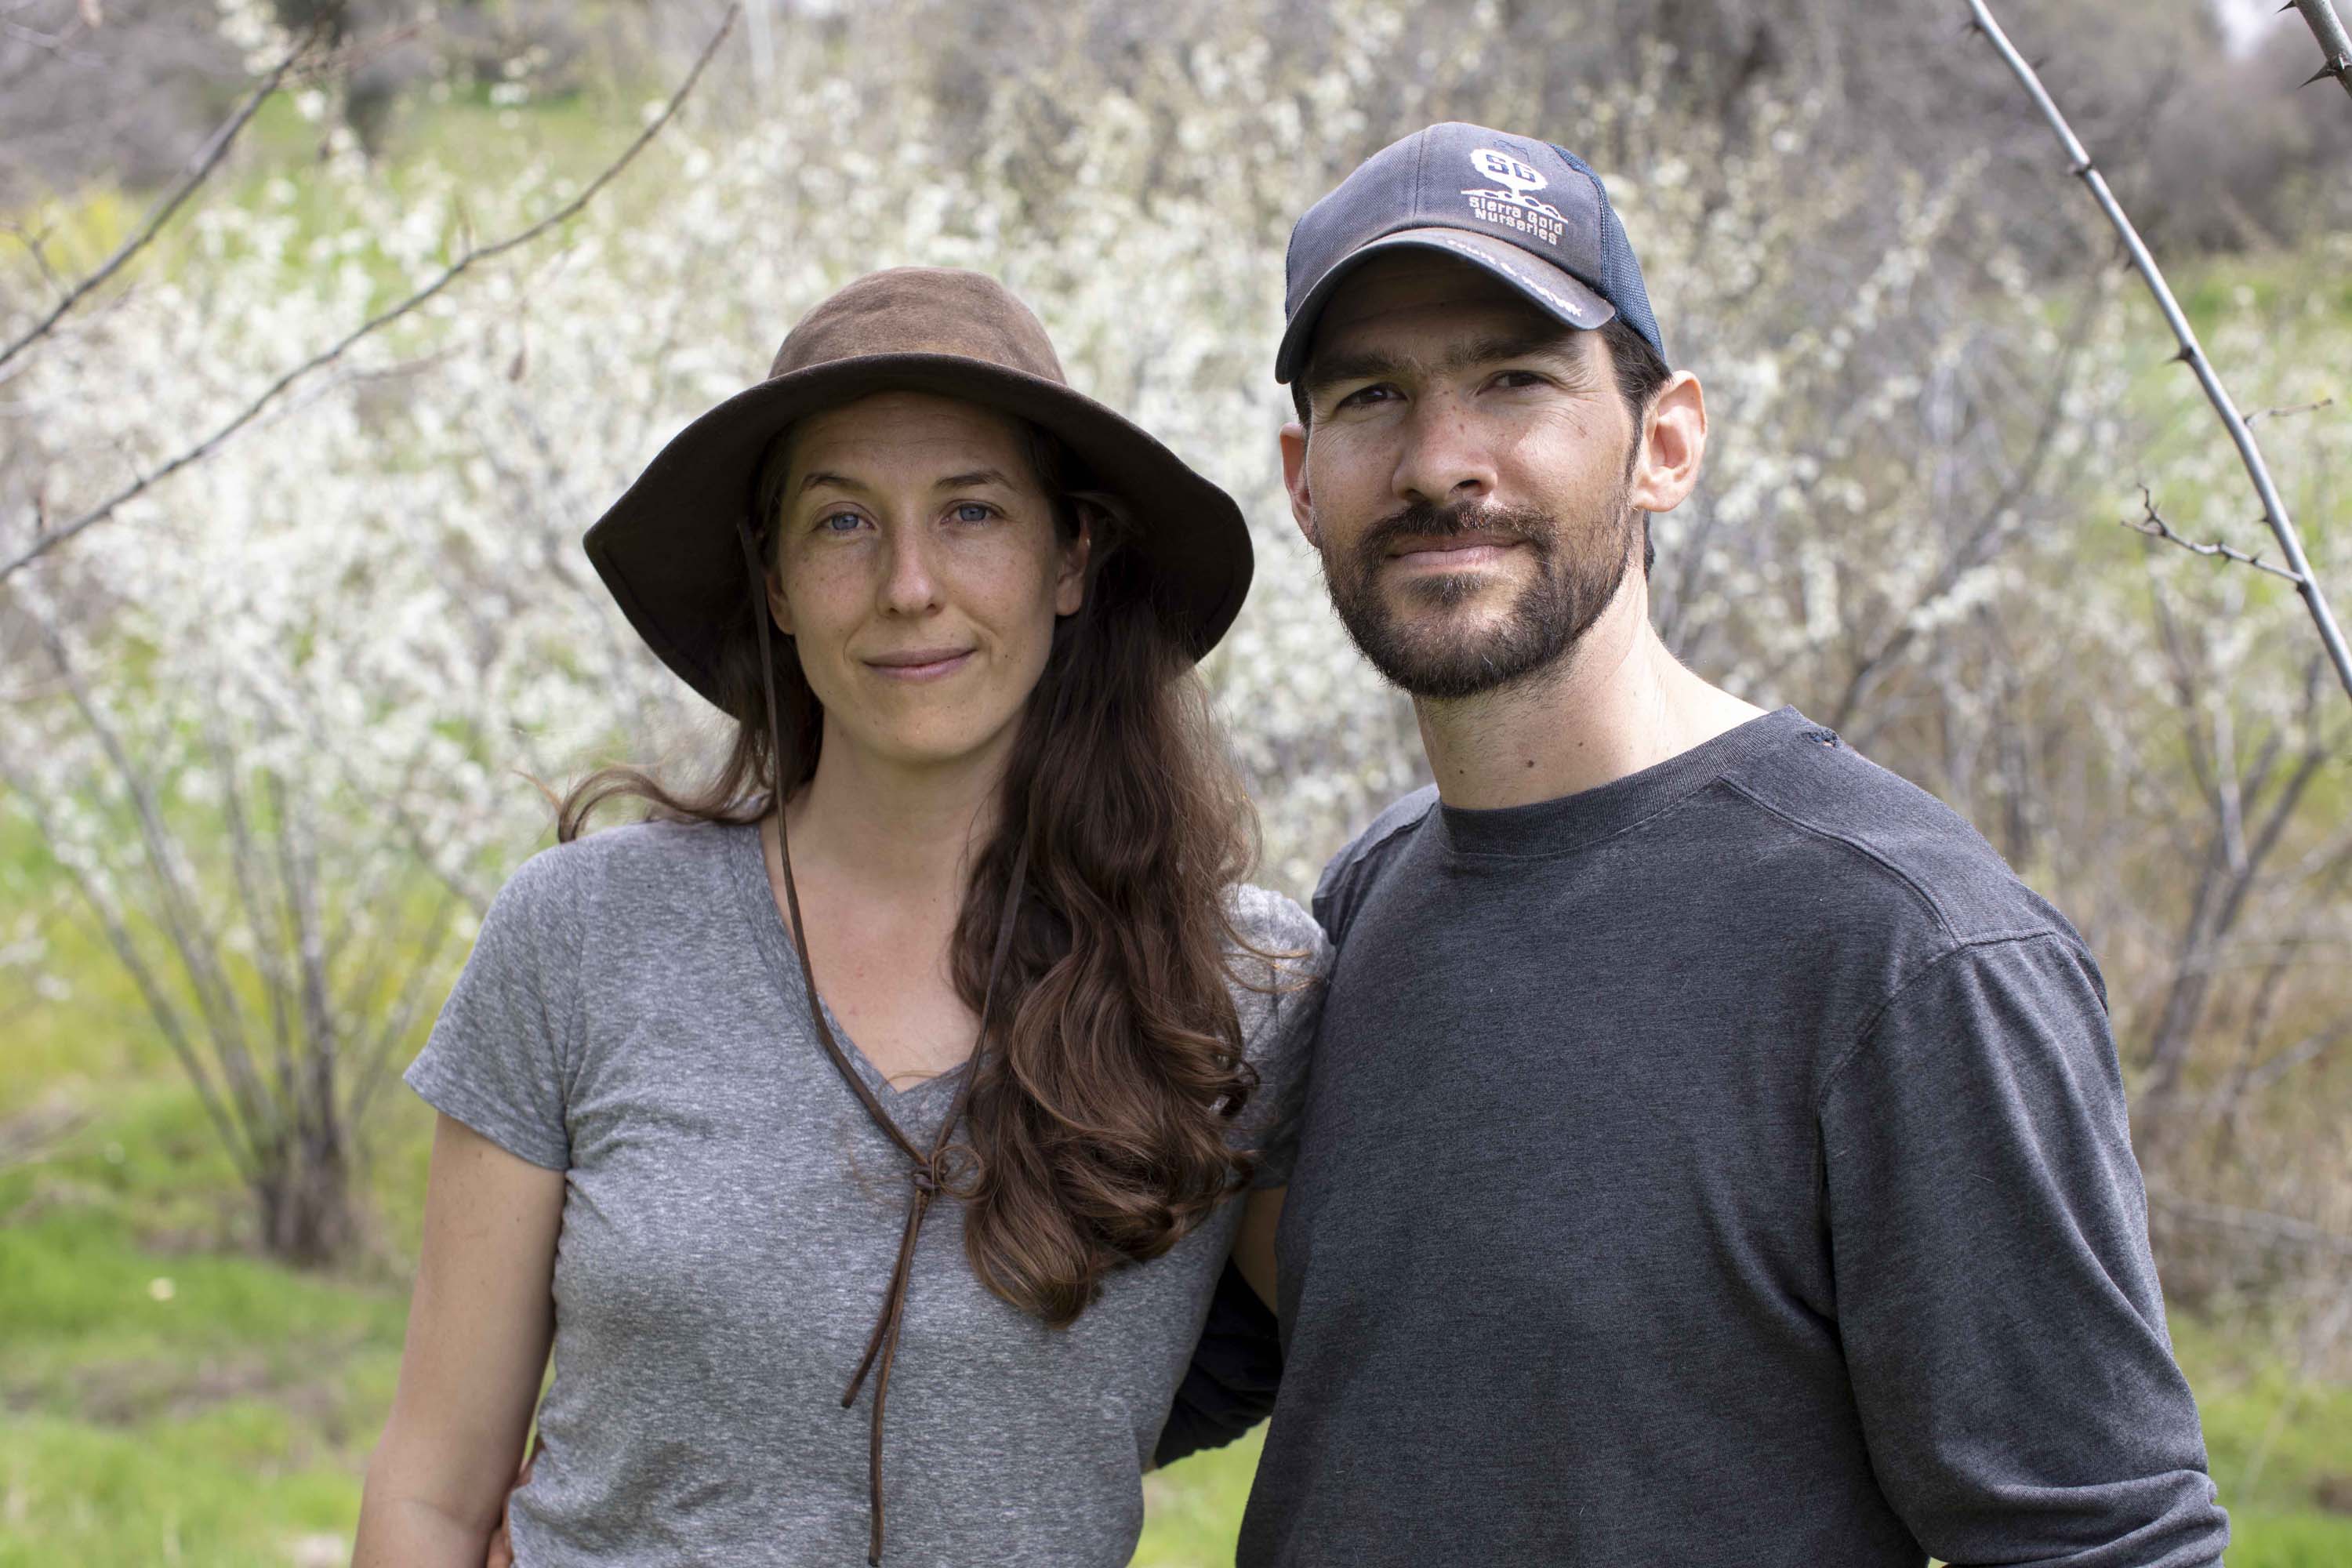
1527,212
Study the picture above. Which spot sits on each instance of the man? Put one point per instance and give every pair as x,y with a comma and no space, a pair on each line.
1714,1154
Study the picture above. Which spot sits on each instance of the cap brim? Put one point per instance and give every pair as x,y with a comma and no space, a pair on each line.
667,548
1553,289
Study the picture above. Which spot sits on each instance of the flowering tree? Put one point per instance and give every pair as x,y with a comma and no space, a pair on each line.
343,641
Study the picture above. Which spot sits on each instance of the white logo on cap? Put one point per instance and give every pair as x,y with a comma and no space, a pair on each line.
1512,206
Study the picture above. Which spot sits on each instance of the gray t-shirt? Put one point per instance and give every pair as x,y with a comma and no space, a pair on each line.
1721,1167
632,1015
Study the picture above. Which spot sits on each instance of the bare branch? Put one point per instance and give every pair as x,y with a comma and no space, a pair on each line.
2154,526
2293,408
2276,1228
2192,353
2335,44
44,542
207,160
152,991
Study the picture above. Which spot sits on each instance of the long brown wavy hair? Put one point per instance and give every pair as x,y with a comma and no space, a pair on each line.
1100,1115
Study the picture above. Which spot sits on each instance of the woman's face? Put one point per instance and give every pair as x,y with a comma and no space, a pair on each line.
917,569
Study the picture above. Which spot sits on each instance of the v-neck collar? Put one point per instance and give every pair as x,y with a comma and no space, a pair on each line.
773,938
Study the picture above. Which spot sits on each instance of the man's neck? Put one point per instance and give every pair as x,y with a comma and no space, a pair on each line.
1617,703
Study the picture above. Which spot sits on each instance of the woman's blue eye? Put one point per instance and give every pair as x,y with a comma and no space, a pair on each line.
830,523
973,512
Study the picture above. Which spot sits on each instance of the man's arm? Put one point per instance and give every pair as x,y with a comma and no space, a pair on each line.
1995,1294
1230,1386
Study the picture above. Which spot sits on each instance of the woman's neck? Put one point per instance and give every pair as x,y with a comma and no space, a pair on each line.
899,832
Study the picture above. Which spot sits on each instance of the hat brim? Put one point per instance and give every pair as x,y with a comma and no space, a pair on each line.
668,552
1554,290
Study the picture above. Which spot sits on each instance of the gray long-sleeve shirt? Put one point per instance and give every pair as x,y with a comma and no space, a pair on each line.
1726,1165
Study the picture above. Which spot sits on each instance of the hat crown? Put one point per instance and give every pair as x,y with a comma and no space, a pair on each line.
922,310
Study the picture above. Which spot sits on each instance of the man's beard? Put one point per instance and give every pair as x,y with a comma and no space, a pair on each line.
1429,655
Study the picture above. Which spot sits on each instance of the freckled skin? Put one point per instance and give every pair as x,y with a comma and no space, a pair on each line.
879,551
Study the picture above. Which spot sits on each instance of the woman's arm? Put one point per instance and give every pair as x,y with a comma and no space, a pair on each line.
1254,1243
479,1327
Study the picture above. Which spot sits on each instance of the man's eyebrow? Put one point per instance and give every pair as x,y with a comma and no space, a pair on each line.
1377,365
1546,341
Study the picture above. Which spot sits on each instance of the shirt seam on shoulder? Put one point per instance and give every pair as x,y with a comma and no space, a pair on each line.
1918,890
1869,1029
1364,852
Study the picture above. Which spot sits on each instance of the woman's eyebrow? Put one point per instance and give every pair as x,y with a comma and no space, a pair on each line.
824,479
977,477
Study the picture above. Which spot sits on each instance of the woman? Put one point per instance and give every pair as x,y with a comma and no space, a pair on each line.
931,1092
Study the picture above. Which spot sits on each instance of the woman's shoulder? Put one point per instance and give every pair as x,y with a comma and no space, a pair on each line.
1280,960
648,863
1273,923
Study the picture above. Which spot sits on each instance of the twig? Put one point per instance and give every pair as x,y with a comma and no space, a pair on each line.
2273,507
2335,44
2154,526
2255,1221
2295,408
207,161
205,447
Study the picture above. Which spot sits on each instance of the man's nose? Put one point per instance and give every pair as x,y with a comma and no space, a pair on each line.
1445,458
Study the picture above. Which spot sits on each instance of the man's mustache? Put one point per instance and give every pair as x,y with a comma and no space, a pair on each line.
1425,520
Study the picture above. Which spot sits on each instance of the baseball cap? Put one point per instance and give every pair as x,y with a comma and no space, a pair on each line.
1527,212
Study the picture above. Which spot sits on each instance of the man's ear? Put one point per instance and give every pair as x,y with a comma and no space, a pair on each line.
1674,444
1294,480
1070,580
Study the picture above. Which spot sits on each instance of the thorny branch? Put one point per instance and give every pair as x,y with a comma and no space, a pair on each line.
2154,526
47,541
2192,353
2335,44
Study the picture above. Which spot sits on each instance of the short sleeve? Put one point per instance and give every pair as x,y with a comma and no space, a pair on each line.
1280,1004
499,1056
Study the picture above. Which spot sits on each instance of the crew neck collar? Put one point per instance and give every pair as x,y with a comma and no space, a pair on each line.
1571,821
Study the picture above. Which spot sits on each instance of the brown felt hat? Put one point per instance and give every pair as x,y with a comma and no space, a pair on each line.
668,549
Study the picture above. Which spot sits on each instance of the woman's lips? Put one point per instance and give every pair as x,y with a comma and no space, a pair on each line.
919,664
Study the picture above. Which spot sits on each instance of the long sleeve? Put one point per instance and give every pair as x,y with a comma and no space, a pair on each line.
1995,1295
1236,1367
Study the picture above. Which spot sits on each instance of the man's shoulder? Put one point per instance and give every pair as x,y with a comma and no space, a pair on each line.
1864,836
1357,866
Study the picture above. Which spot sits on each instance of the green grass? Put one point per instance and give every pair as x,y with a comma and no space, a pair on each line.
223,1419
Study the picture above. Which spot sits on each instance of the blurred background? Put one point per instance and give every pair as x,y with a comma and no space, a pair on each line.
270,719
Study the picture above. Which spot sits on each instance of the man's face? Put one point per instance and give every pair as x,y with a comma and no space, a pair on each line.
1465,476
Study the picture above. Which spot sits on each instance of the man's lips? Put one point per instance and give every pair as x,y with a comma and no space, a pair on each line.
1451,550
919,663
